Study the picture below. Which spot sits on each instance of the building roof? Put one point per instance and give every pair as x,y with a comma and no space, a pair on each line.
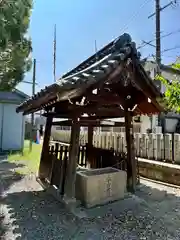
14,96
165,68
115,72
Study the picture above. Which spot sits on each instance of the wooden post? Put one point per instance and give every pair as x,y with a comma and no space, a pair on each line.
69,195
90,145
90,135
45,149
131,164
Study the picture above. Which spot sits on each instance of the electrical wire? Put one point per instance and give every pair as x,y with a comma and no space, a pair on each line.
172,57
153,56
165,35
170,49
135,15
130,20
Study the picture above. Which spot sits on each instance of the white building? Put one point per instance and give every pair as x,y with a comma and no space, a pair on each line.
169,122
12,124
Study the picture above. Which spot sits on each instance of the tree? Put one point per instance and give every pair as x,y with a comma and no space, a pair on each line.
172,92
15,45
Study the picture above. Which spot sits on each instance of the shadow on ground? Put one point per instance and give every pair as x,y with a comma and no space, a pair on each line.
3,228
30,213
8,176
153,213
37,215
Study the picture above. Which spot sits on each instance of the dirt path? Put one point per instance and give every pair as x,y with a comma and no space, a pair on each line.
29,213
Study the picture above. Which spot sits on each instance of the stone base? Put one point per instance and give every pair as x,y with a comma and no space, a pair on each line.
159,171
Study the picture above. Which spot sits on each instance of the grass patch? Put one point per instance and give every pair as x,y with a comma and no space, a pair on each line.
29,159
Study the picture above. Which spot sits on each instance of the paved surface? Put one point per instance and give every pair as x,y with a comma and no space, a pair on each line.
28,213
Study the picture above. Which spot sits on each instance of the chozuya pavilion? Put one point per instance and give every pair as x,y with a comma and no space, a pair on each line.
110,84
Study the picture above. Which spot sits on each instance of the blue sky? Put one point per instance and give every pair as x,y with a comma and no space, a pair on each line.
80,23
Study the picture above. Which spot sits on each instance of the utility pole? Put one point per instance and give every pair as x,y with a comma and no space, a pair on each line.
54,55
157,13
32,115
158,30
95,48
158,36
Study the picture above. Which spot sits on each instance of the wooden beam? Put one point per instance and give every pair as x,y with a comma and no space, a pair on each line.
131,164
86,122
69,195
45,150
55,115
102,116
105,99
62,123
98,111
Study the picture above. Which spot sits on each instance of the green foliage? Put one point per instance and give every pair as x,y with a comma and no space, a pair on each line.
15,46
176,66
172,92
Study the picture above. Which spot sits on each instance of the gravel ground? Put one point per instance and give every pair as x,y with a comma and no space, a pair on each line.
27,212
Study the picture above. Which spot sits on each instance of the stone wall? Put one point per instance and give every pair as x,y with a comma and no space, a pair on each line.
164,172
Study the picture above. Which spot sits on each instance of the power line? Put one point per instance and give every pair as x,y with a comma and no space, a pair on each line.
135,14
123,29
172,57
157,13
167,56
165,50
132,18
162,8
165,35
148,43
170,49
163,55
28,82
158,29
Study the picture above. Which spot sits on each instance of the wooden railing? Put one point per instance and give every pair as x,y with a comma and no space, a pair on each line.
58,155
56,163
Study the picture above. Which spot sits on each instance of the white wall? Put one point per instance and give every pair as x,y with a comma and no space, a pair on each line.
13,128
145,124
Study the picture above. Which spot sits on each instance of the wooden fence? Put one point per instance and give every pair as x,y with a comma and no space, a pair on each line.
54,170
150,146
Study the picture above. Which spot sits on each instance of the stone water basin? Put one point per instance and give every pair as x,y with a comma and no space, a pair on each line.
100,186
